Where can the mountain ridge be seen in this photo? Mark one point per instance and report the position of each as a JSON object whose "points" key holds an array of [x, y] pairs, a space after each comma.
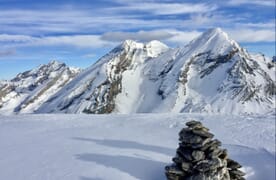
{"points": [[28, 90], [211, 74]]}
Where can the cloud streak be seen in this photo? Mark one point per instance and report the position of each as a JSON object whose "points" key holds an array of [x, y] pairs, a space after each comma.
{"points": [[249, 35], [140, 35], [110, 39], [270, 3], [8, 52], [80, 41], [167, 8]]}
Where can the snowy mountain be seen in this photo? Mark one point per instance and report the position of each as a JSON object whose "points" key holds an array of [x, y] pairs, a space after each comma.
{"points": [[30, 89], [211, 74]]}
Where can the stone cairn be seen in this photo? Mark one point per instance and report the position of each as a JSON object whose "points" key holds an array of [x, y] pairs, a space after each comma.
{"points": [[198, 157]]}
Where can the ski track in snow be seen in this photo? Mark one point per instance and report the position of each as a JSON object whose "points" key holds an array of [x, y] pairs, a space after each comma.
{"points": [[123, 147]]}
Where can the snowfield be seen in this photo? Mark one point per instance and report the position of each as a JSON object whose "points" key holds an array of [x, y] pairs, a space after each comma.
{"points": [[123, 147]]}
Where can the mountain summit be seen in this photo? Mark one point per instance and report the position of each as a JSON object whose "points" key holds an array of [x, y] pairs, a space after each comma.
{"points": [[29, 90], [211, 74]]}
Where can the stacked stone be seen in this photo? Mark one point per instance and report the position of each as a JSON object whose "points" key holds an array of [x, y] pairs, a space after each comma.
{"points": [[198, 157]]}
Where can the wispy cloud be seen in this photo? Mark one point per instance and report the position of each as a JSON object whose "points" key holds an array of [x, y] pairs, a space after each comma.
{"points": [[89, 41], [110, 39], [7, 38], [89, 56], [165, 20], [166, 8], [37, 22], [80, 41], [8, 52], [256, 2], [249, 35], [183, 37], [140, 35]]}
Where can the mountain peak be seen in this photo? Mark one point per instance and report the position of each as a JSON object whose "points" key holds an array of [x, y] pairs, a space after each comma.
{"points": [[55, 63], [216, 32], [156, 43], [131, 44], [152, 48], [214, 40]]}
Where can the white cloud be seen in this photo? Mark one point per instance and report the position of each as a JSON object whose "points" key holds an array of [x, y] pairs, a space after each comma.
{"points": [[171, 36], [183, 37], [80, 41], [90, 55], [35, 22], [140, 35], [7, 52], [15, 38], [251, 35], [264, 25], [256, 2], [167, 8]]}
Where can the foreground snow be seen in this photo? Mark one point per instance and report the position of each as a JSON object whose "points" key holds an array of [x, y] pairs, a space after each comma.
{"points": [[119, 147]]}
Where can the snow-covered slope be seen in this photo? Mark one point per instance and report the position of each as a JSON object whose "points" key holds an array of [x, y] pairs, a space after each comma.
{"points": [[211, 74], [123, 147], [29, 90], [96, 90]]}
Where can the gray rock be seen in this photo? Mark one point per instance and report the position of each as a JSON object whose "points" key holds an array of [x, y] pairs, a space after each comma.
{"points": [[208, 165], [201, 144], [215, 152], [202, 133], [198, 176], [203, 166], [214, 144], [191, 139], [233, 164], [236, 173], [223, 155], [177, 159], [186, 166], [174, 170], [194, 125], [184, 132], [198, 155], [185, 153]]}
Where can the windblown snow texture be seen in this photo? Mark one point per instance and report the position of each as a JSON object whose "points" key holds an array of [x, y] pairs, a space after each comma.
{"points": [[123, 147]]}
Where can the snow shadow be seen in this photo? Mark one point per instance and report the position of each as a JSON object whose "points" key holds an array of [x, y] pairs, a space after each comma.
{"points": [[259, 162], [129, 145], [87, 178], [136, 167]]}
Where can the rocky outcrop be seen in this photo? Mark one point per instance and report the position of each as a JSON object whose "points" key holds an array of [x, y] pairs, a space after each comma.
{"points": [[28, 90], [199, 157], [211, 74]]}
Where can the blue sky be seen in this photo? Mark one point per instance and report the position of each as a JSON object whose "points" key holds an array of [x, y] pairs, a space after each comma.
{"points": [[79, 32]]}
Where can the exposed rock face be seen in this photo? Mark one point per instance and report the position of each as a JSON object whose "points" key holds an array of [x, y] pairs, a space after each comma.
{"points": [[96, 89], [211, 74], [199, 157], [28, 90]]}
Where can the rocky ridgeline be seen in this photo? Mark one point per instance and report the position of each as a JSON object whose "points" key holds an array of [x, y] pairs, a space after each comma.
{"points": [[199, 157]]}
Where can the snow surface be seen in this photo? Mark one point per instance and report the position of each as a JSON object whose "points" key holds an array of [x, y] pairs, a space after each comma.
{"points": [[123, 147]]}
